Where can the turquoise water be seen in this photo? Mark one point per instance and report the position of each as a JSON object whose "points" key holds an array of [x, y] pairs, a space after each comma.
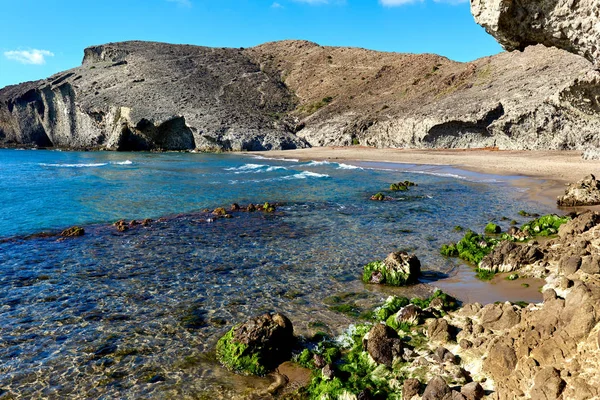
{"points": [[107, 315]]}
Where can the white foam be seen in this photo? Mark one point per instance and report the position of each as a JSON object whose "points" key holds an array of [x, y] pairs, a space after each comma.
{"points": [[346, 166], [246, 167], [275, 168], [306, 174], [126, 162], [317, 163]]}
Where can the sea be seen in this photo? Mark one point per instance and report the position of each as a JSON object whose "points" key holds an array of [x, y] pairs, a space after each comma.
{"points": [[136, 314]]}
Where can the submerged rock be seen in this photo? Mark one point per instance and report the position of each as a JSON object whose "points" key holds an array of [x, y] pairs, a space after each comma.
{"points": [[398, 269], [258, 345], [585, 192], [73, 232]]}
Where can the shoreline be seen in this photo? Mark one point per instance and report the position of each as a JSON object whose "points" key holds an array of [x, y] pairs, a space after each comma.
{"points": [[554, 168]]}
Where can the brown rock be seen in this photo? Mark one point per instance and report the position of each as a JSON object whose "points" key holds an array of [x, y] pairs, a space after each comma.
{"points": [[383, 344], [585, 192], [73, 232], [437, 389], [328, 372], [465, 344], [439, 330], [410, 388], [547, 384], [319, 361], [590, 264], [549, 294], [569, 264], [501, 360], [472, 391], [499, 316]]}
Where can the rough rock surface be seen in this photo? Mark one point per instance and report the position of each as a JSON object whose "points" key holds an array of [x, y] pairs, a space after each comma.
{"points": [[549, 350], [508, 256], [567, 24], [383, 344], [141, 95], [586, 192], [145, 95]]}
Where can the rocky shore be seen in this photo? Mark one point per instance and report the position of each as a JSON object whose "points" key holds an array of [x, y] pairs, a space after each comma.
{"points": [[435, 349]]}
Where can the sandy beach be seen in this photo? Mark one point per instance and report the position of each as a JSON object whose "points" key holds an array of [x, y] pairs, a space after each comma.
{"points": [[554, 168]]}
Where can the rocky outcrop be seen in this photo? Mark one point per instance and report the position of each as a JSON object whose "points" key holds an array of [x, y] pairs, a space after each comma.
{"points": [[398, 269], [146, 96], [586, 192], [258, 345], [281, 95], [570, 25]]}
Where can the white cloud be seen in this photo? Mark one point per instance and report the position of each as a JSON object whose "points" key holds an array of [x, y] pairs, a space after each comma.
{"points": [[34, 56], [276, 5], [183, 3]]}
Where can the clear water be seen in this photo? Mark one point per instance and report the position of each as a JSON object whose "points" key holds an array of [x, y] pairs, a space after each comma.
{"points": [[107, 315]]}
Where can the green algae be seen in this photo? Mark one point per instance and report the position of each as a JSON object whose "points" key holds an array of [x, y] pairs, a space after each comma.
{"points": [[546, 225], [236, 356], [492, 228], [388, 276], [471, 248]]}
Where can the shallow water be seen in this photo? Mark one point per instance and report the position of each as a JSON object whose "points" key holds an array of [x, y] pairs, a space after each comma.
{"points": [[133, 314]]}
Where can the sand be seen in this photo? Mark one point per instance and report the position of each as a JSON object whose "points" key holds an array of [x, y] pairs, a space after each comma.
{"points": [[552, 170]]}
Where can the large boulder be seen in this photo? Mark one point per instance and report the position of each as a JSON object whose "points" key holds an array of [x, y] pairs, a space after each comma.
{"points": [[258, 345], [586, 192], [383, 344], [508, 256], [569, 25], [398, 269]]}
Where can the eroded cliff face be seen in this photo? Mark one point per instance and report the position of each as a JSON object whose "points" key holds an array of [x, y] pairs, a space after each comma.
{"points": [[572, 25], [145, 96], [281, 95]]}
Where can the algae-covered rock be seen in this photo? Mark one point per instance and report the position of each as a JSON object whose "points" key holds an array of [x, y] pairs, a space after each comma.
{"points": [[258, 345], [73, 232], [472, 247], [398, 269], [492, 228], [383, 344], [378, 197]]}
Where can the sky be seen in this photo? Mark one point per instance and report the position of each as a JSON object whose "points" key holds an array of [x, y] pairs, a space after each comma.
{"points": [[41, 37]]}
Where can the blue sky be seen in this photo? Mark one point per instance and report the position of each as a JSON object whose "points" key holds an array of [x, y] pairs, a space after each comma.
{"points": [[42, 37]]}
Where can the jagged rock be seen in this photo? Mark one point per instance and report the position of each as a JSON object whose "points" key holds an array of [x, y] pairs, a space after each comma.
{"points": [[549, 295], [383, 344], [73, 232], [566, 24], [508, 256], [499, 316], [585, 192], [501, 360], [580, 224], [590, 264], [410, 388], [439, 330], [465, 344], [569, 264], [443, 355], [472, 391], [437, 389], [547, 384]]}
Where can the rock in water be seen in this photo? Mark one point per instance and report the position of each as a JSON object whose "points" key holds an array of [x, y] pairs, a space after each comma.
{"points": [[258, 345], [570, 25], [398, 269], [586, 192], [73, 232]]}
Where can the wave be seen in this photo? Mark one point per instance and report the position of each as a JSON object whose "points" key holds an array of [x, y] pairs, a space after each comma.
{"points": [[306, 174], [126, 162], [317, 163], [90, 165], [255, 168], [347, 166]]}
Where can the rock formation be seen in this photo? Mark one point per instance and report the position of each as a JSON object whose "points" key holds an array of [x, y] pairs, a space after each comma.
{"points": [[144, 96], [572, 25], [586, 192]]}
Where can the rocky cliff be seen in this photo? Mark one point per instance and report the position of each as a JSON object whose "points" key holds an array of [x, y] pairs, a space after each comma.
{"points": [[140, 95], [572, 25]]}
